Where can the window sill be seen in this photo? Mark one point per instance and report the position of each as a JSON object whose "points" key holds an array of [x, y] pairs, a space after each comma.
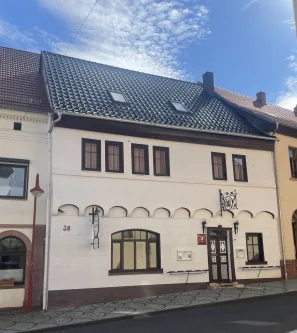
{"points": [[155, 271], [294, 179], [17, 286], [256, 263]]}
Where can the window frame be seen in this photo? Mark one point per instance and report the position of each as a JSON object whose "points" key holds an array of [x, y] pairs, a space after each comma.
{"points": [[120, 93], [261, 249], [245, 174], [224, 165], [291, 159], [167, 159], [121, 156], [84, 141], [122, 241], [146, 158], [18, 163], [178, 110], [20, 254]]}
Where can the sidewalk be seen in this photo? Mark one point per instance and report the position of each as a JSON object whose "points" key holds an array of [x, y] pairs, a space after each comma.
{"points": [[22, 321]]}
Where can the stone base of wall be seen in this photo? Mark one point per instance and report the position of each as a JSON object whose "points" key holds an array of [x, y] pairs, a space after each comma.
{"points": [[291, 268], [72, 297], [58, 298]]}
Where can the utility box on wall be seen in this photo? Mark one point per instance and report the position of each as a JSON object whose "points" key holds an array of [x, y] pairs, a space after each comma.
{"points": [[184, 255]]}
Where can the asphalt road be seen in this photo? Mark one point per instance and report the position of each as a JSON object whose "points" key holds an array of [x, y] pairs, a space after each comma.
{"points": [[272, 314]]}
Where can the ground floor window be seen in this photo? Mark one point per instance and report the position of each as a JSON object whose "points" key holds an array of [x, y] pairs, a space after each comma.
{"points": [[135, 251], [12, 259], [255, 250]]}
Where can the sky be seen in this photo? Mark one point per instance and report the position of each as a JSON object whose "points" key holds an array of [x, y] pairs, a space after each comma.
{"points": [[249, 45]]}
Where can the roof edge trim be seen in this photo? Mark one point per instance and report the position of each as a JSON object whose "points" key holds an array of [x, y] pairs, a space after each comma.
{"points": [[190, 129]]}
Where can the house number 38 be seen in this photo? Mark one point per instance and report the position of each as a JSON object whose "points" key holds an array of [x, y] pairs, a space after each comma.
{"points": [[66, 228]]}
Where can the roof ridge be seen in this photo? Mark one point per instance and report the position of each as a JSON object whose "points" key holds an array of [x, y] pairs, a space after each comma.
{"points": [[254, 99], [121, 68], [13, 48]]}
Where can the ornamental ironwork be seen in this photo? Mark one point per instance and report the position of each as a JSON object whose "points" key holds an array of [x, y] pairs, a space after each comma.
{"points": [[95, 223], [228, 201]]}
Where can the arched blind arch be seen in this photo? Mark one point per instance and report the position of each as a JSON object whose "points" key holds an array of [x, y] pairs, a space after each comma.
{"points": [[135, 250]]}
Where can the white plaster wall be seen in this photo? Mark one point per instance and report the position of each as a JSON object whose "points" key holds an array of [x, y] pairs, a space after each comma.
{"points": [[12, 298], [30, 143], [74, 264]]}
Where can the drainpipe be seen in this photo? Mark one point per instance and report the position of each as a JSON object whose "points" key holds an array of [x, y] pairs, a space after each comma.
{"points": [[51, 124], [279, 207]]}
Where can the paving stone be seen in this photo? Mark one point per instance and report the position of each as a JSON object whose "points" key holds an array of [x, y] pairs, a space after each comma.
{"points": [[161, 301], [38, 319], [73, 314], [59, 320], [93, 315], [179, 302], [6, 323], [8, 331], [21, 326], [79, 320], [40, 327]]}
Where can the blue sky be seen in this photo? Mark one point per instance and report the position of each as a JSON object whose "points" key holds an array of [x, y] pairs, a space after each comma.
{"points": [[250, 45]]}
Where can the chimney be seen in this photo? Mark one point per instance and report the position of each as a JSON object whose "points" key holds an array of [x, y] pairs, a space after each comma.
{"points": [[261, 98], [295, 111], [208, 83]]}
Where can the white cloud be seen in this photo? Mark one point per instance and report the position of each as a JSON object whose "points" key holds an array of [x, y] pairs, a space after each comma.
{"points": [[13, 35], [144, 35], [249, 3], [288, 97]]}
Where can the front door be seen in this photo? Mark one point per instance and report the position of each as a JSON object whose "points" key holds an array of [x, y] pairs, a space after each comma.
{"points": [[219, 255]]}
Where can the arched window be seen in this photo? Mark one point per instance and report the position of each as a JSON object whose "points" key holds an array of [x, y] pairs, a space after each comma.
{"points": [[12, 259], [135, 250]]}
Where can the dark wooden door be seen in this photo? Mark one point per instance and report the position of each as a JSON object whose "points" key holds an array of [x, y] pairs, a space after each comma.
{"points": [[219, 256]]}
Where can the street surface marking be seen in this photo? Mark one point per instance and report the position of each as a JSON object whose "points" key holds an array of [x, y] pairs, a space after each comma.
{"points": [[253, 323]]}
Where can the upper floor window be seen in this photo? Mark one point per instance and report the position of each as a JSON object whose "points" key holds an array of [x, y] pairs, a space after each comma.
{"points": [[255, 250], [12, 259], [161, 161], [114, 157], [293, 161], [13, 178], [91, 155], [140, 160], [239, 168], [135, 250], [219, 170]]}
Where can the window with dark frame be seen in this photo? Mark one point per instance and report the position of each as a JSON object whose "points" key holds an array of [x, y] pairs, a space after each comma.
{"points": [[240, 168], [255, 250], [13, 178], [12, 259], [91, 155], [114, 156], [135, 251], [293, 161], [161, 161], [140, 159], [219, 169]]}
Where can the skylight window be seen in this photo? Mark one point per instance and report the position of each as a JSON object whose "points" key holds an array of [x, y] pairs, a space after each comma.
{"points": [[118, 97], [179, 106]]}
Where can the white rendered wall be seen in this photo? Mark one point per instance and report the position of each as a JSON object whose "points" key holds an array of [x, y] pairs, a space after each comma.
{"points": [[74, 264]]}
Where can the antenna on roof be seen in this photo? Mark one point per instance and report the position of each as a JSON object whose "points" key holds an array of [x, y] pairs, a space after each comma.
{"points": [[78, 31]]}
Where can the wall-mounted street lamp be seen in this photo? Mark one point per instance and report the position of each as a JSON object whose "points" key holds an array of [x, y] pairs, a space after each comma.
{"points": [[37, 192], [236, 227], [95, 223], [203, 227]]}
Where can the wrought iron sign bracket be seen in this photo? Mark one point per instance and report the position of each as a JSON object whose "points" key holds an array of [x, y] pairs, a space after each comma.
{"points": [[228, 201], [95, 224]]}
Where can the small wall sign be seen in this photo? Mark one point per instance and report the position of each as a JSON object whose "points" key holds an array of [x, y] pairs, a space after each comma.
{"points": [[201, 239]]}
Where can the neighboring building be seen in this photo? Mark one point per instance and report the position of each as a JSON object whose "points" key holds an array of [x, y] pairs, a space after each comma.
{"points": [[23, 154], [295, 12], [286, 157], [153, 153]]}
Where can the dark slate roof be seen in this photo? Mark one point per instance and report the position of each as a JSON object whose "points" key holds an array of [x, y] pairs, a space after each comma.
{"points": [[21, 83], [80, 86], [275, 113]]}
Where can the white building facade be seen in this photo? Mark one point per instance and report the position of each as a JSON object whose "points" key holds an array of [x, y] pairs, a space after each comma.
{"points": [[23, 154], [149, 225], [183, 185]]}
